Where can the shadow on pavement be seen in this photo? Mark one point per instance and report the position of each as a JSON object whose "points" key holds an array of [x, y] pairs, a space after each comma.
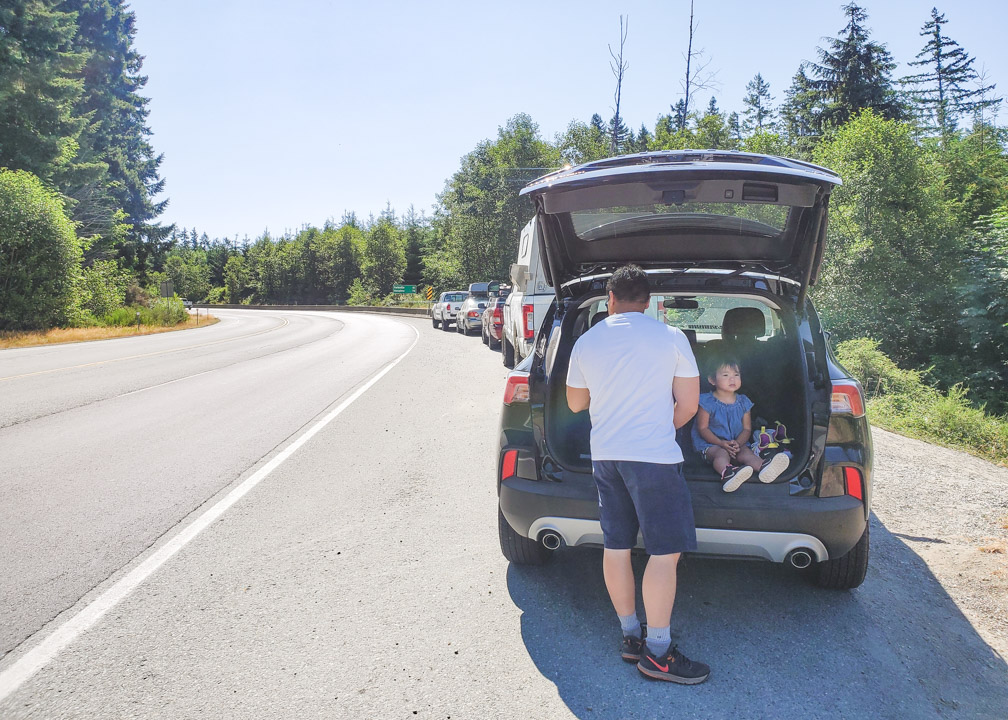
{"points": [[778, 646]]}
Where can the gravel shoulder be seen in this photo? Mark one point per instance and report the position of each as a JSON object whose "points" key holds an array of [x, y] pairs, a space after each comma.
{"points": [[951, 509]]}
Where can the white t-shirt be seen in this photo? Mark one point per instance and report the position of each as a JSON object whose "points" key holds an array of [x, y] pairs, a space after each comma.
{"points": [[628, 362]]}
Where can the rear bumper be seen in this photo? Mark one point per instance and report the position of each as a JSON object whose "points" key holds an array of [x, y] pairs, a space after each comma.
{"points": [[470, 322], [758, 521]]}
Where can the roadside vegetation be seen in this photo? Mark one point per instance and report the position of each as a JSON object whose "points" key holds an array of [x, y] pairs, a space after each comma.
{"points": [[901, 401], [916, 260]]}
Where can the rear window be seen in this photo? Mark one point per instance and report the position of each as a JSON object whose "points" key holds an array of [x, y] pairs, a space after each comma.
{"points": [[455, 297], [706, 320], [764, 220]]}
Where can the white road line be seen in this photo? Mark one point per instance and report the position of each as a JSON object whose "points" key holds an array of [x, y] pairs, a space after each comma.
{"points": [[42, 654]]}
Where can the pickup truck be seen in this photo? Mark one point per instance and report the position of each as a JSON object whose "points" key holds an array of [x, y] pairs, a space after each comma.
{"points": [[528, 302]]}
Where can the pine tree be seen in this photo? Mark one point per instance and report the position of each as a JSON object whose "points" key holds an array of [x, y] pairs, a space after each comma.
{"points": [[941, 92], [619, 135], [758, 112], [854, 73], [117, 134], [39, 88], [800, 114], [680, 115], [734, 128]]}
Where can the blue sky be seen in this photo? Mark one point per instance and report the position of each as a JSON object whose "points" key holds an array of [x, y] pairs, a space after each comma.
{"points": [[276, 115]]}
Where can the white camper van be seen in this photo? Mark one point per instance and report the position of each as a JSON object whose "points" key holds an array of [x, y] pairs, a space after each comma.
{"points": [[529, 299]]}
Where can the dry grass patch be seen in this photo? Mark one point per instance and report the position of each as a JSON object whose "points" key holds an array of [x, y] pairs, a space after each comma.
{"points": [[73, 335], [993, 549]]}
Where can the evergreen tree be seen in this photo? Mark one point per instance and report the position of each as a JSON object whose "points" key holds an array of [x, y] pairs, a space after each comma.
{"points": [[117, 134], [643, 141], [680, 115], [598, 123], [413, 232], [758, 113], [942, 92], [619, 135], [800, 114], [854, 73], [39, 89], [734, 127]]}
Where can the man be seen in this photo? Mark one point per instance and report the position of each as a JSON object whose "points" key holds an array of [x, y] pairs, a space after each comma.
{"points": [[639, 380]]}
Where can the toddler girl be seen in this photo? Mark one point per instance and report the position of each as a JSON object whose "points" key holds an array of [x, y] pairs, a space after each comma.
{"points": [[723, 426]]}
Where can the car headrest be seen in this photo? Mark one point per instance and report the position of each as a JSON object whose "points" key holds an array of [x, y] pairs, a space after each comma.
{"points": [[597, 318], [743, 323]]}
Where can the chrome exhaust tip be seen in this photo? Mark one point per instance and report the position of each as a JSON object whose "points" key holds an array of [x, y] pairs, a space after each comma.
{"points": [[550, 540], [800, 558]]}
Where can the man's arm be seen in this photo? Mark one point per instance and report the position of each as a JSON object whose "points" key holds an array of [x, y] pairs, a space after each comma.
{"points": [[578, 399], [687, 397]]}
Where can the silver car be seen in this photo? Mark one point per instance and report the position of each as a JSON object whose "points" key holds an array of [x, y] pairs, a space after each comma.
{"points": [[470, 315], [447, 307]]}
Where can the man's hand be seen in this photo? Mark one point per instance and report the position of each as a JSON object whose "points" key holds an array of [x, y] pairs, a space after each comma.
{"points": [[578, 399]]}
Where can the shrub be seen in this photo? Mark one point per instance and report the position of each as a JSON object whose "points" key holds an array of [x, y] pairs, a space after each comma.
{"points": [[103, 287], [40, 256], [876, 372], [163, 311], [899, 400]]}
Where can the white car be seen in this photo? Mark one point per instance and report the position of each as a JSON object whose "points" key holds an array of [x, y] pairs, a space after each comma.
{"points": [[446, 307]]}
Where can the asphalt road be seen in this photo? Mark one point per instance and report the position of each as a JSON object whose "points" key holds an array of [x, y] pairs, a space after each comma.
{"points": [[362, 577]]}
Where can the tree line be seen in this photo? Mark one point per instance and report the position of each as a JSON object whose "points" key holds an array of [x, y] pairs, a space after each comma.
{"points": [[917, 255]]}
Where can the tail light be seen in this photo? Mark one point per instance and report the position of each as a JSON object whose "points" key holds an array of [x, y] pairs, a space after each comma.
{"points": [[852, 483], [517, 389], [528, 323], [497, 316], [847, 399], [473, 314], [509, 463]]}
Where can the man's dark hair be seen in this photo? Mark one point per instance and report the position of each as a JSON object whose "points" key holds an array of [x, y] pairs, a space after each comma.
{"points": [[629, 284]]}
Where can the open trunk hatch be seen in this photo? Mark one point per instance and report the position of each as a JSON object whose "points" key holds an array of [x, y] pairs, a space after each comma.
{"points": [[710, 209]]}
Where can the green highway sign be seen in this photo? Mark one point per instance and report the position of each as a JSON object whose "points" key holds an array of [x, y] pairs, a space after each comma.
{"points": [[404, 289]]}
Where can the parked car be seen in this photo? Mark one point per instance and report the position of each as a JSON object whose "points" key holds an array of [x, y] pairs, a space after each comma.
{"points": [[530, 296], [468, 319], [731, 243], [493, 321], [186, 303], [447, 307]]}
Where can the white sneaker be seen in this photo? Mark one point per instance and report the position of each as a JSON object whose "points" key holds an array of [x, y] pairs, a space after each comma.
{"points": [[734, 477], [773, 469]]}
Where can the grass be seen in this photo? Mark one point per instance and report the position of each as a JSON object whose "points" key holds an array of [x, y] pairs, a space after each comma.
{"points": [[898, 400], [73, 335]]}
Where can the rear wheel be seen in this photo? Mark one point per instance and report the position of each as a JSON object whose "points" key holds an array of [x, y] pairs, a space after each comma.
{"points": [[517, 548], [507, 352], [847, 571], [484, 336], [434, 320], [444, 324]]}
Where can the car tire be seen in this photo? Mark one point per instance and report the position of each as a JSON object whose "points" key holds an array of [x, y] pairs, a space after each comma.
{"points": [[484, 337], [518, 549], [507, 353], [434, 320], [494, 344], [444, 324], [847, 571]]}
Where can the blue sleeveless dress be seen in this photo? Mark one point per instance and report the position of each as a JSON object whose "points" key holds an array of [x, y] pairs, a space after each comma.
{"points": [[725, 420]]}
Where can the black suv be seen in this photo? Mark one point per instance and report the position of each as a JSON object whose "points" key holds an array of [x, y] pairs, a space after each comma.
{"points": [[731, 243]]}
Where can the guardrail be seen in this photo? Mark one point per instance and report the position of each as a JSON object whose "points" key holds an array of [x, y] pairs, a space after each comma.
{"points": [[411, 312]]}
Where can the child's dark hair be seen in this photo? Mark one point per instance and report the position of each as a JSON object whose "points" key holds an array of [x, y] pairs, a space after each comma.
{"points": [[721, 360]]}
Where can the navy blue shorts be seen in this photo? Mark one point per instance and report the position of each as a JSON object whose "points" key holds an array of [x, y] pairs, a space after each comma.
{"points": [[648, 497]]}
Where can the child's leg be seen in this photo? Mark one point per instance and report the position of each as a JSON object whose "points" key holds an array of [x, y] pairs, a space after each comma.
{"points": [[718, 457], [745, 456]]}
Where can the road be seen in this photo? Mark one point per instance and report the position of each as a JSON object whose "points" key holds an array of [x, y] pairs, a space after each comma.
{"points": [[362, 576]]}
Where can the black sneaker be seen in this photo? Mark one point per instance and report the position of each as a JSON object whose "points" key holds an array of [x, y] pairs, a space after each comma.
{"points": [[631, 647], [673, 666], [734, 477]]}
